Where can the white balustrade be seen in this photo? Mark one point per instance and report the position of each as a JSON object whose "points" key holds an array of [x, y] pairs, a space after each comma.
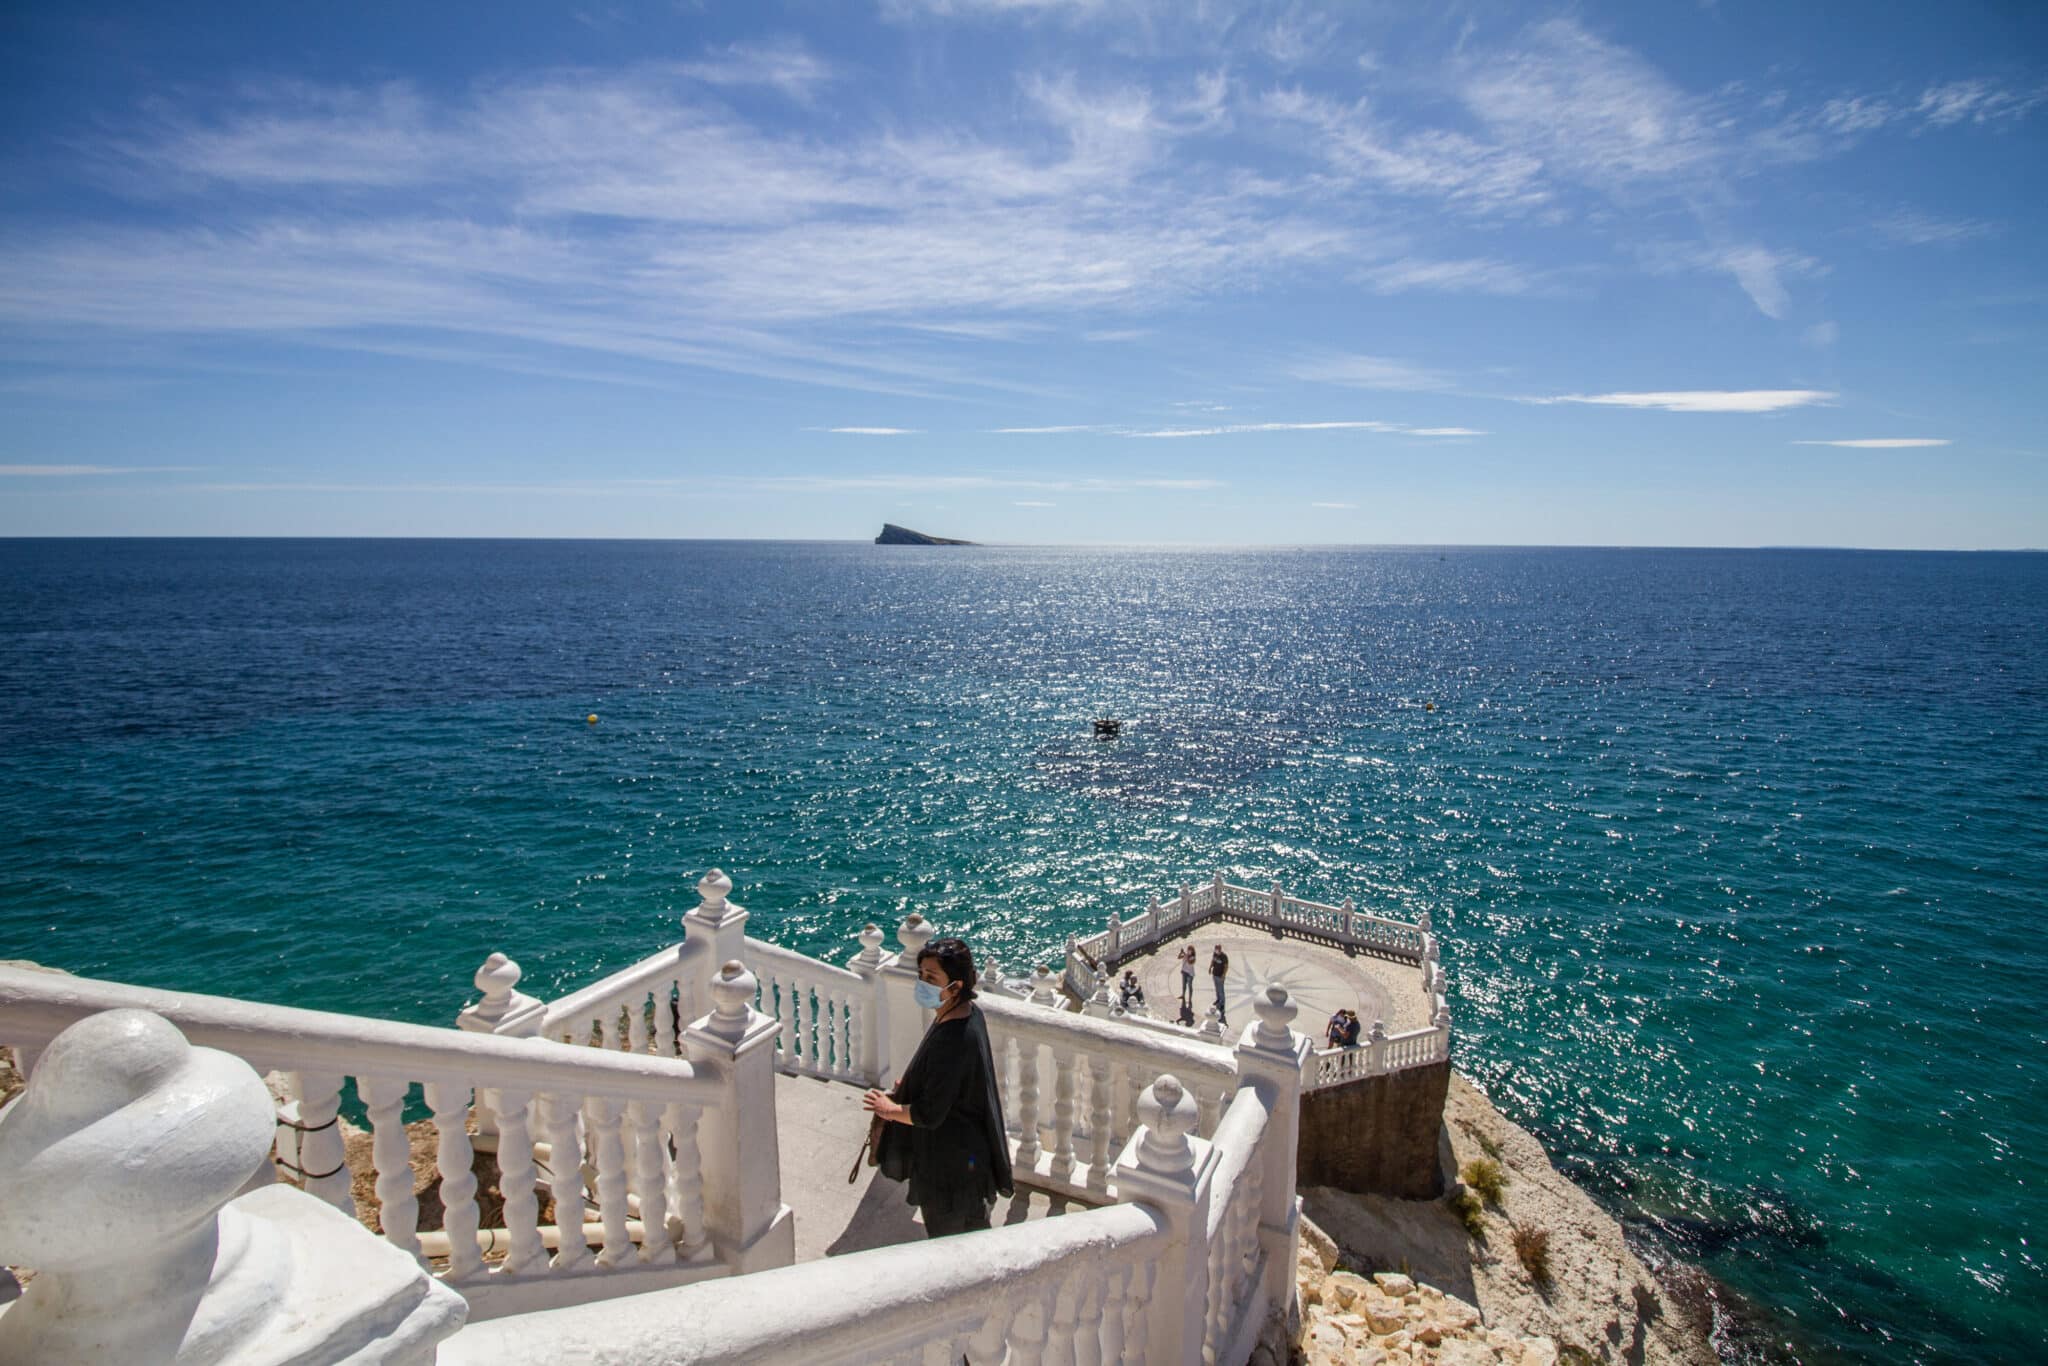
{"points": [[525, 1084], [821, 1009]]}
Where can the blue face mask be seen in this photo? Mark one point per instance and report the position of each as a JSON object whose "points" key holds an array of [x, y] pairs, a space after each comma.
{"points": [[928, 995]]}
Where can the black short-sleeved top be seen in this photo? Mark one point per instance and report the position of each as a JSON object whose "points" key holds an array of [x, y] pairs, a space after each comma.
{"points": [[957, 1144]]}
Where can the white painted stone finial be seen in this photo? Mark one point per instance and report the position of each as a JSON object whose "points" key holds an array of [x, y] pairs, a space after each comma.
{"points": [[128, 1140], [1041, 986], [1212, 1024], [1443, 1015], [1169, 1114], [1276, 1013], [732, 996], [869, 959], [714, 887], [914, 933], [1379, 1031]]}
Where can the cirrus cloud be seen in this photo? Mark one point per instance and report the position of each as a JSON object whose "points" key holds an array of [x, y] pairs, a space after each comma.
{"points": [[1701, 400]]}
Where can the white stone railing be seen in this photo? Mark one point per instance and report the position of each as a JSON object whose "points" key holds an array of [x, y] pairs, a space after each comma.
{"points": [[627, 1125], [1232, 1322], [640, 1009], [1090, 961], [823, 1010], [1070, 1086], [1343, 927], [1073, 1289]]}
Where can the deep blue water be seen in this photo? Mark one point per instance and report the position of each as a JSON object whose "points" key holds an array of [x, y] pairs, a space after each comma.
{"points": [[1740, 856]]}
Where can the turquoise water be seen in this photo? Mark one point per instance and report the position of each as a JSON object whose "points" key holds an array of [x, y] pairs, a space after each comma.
{"points": [[1739, 856]]}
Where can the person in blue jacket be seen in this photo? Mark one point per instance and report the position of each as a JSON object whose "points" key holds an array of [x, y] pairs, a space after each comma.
{"points": [[945, 1112]]}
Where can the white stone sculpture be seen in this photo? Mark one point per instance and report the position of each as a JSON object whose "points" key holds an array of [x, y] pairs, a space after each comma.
{"points": [[118, 1172]]}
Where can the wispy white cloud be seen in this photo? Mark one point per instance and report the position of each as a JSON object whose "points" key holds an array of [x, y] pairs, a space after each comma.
{"points": [[1702, 400], [1238, 428], [1883, 443], [1051, 431], [1469, 276], [1975, 101], [1444, 431], [1032, 503], [874, 431], [1338, 506], [1370, 372], [1911, 228], [785, 65], [1760, 271]]}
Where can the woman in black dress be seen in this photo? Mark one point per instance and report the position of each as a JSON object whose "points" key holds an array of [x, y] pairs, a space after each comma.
{"points": [[952, 1118]]}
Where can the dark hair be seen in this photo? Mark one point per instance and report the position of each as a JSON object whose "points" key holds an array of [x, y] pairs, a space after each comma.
{"points": [[955, 959]]}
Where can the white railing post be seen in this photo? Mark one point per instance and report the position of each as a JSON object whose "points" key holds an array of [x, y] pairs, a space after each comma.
{"points": [[1116, 937], [871, 1015], [1216, 885], [118, 1171], [903, 1017], [1042, 992], [714, 933], [1376, 1049], [506, 1011], [1165, 1167], [1152, 921], [1187, 905], [1277, 1060], [1350, 915], [749, 1226], [1276, 902]]}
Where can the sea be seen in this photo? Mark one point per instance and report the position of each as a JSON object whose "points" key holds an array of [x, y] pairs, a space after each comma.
{"points": [[1740, 857]]}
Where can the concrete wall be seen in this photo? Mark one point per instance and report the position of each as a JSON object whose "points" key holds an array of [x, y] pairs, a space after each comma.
{"points": [[1376, 1136]]}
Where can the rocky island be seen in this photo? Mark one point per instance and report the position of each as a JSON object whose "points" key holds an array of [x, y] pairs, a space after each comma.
{"points": [[903, 535]]}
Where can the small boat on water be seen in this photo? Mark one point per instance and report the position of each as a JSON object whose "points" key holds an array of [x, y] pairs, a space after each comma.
{"points": [[1108, 727]]}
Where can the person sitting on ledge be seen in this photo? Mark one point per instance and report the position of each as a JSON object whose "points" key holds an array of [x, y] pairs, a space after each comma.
{"points": [[1129, 993]]}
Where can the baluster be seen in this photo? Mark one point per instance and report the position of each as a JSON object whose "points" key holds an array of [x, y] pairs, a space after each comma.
{"points": [[686, 1192], [1062, 1116], [848, 1055], [1134, 1086], [650, 1180], [856, 1029], [1098, 1123], [1219, 1293], [1110, 1331], [636, 1022], [665, 1018], [321, 1152], [801, 1046], [1137, 1328], [516, 1179], [1028, 1331], [565, 1178], [593, 1030], [1027, 1104], [399, 1209], [608, 1155], [450, 1106], [1006, 1082], [1088, 1318], [1059, 1339], [1209, 1103]]}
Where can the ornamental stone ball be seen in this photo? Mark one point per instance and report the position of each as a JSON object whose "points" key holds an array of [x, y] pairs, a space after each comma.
{"points": [[1276, 1012], [1169, 1115], [127, 1138], [714, 887], [913, 934]]}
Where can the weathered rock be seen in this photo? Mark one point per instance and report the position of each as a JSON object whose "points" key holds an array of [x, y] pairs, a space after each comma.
{"points": [[1341, 1288], [1395, 1284]]}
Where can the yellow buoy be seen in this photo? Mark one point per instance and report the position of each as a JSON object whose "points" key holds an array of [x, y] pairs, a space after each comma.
{"points": [[592, 718]]}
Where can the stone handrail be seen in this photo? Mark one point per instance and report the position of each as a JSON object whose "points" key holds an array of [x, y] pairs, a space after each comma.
{"points": [[611, 1118], [1072, 1289], [1341, 926]]}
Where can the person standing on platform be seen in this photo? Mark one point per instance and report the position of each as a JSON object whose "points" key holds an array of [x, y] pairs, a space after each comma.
{"points": [[1187, 975], [1219, 968], [951, 1117]]}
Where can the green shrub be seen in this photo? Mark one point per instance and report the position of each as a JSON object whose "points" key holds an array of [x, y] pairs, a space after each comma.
{"points": [[1532, 1250], [1484, 1175], [1465, 1206], [1568, 1355], [1488, 1145]]}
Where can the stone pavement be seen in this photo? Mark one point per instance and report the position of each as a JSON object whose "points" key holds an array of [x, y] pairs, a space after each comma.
{"points": [[1319, 980], [820, 1126]]}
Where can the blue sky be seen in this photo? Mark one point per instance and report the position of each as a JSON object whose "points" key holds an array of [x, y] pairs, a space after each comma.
{"points": [[1028, 270]]}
